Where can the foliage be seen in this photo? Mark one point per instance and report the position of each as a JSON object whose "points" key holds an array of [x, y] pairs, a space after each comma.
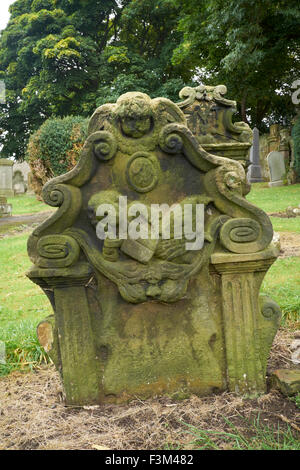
{"points": [[55, 148], [296, 139]]}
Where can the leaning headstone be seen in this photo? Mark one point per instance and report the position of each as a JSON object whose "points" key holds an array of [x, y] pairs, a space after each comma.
{"points": [[153, 264], [254, 172], [277, 168], [5, 208], [6, 178]]}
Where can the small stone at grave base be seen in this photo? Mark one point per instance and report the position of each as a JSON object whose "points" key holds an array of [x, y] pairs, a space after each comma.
{"points": [[286, 380]]}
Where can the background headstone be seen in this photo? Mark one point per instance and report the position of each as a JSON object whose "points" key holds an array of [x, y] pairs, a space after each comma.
{"points": [[277, 168], [254, 172], [6, 178]]}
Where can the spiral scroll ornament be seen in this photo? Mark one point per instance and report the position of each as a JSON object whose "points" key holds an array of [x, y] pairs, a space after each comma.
{"points": [[57, 251]]}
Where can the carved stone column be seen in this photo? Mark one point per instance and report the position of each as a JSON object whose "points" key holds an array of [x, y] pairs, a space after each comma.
{"points": [[250, 322]]}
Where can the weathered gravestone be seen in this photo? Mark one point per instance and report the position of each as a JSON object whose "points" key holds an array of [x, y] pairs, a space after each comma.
{"points": [[5, 208], [176, 313], [277, 168], [254, 172], [20, 177], [6, 175]]}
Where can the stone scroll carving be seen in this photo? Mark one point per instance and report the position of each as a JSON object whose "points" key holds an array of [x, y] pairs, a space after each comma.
{"points": [[145, 316]]}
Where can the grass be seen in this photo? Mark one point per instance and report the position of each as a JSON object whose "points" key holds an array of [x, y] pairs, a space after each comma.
{"points": [[23, 304], [257, 437], [27, 205]]}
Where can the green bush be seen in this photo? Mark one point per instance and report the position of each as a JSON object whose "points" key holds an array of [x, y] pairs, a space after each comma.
{"points": [[296, 138], [55, 148]]}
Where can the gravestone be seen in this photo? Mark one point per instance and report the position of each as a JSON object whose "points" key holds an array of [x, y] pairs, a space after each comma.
{"points": [[254, 172], [5, 208], [153, 264], [277, 168], [6, 174]]}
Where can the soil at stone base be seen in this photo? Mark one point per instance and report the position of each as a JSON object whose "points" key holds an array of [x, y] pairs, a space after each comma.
{"points": [[33, 415]]}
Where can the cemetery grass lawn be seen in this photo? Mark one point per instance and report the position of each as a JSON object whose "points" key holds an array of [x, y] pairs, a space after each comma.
{"points": [[22, 306], [274, 199]]}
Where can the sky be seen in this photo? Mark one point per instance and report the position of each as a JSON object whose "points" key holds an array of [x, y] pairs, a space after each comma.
{"points": [[4, 14]]}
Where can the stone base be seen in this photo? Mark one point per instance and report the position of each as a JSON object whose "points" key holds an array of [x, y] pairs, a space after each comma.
{"points": [[276, 183]]}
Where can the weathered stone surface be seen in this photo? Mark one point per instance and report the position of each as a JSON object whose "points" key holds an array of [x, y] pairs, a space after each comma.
{"points": [[277, 168], [6, 174], [287, 381], [146, 317]]}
